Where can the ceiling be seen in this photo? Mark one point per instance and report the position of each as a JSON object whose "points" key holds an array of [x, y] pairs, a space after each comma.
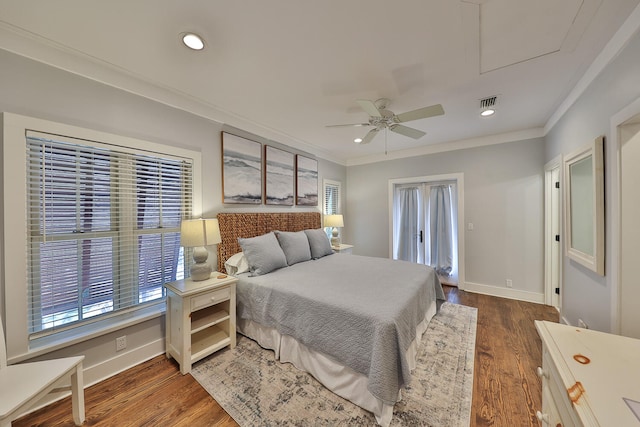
{"points": [[285, 69]]}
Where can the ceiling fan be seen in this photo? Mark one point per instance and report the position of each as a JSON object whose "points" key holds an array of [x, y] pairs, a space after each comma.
{"points": [[381, 118]]}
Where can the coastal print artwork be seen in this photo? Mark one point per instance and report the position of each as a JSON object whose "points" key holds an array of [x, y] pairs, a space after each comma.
{"points": [[307, 181], [241, 170], [278, 176]]}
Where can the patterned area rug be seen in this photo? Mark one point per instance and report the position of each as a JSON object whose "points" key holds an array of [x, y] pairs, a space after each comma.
{"points": [[257, 390]]}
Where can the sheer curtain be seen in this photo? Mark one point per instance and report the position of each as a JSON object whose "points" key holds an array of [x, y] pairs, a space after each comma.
{"points": [[406, 212], [439, 248]]}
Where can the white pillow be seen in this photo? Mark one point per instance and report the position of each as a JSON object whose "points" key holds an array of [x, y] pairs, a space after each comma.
{"points": [[236, 264]]}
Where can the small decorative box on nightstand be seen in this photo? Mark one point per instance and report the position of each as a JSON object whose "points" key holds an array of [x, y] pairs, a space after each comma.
{"points": [[201, 318], [343, 249]]}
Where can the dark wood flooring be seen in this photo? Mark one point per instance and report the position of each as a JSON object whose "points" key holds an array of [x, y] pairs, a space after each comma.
{"points": [[506, 391]]}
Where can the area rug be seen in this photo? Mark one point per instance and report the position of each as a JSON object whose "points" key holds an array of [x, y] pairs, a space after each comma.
{"points": [[257, 390]]}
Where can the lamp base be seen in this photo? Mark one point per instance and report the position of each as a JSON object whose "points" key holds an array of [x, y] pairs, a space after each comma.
{"points": [[335, 237], [200, 271]]}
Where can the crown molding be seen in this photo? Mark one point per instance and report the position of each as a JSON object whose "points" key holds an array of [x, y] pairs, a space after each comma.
{"points": [[618, 42], [463, 144]]}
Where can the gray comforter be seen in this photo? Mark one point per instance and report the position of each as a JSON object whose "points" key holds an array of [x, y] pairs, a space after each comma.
{"points": [[361, 311]]}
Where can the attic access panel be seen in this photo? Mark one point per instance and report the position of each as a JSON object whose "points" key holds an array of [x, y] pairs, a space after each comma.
{"points": [[514, 31]]}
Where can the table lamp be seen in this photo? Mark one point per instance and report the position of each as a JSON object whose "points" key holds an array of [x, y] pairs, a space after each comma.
{"points": [[334, 221], [196, 234]]}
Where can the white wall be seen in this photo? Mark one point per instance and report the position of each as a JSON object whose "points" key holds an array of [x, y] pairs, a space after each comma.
{"points": [[586, 295], [33, 89], [503, 198]]}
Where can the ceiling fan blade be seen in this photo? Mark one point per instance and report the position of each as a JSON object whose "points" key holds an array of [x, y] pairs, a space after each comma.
{"points": [[407, 131], [369, 107], [369, 136], [421, 113], [350, 124]]}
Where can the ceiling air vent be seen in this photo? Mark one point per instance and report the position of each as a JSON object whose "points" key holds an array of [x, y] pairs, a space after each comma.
{"points": [[488, 102]]}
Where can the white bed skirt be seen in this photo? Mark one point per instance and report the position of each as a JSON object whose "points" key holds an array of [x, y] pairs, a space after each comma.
{"points": [[340, 379]]}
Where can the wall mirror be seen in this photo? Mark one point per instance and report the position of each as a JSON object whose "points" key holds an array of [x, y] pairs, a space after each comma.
{"points": [[584, 206]]}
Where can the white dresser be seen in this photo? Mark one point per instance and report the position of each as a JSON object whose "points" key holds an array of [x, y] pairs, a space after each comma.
{"points": [[589, 378]]}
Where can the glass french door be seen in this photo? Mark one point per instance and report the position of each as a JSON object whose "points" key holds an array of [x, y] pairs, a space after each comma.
{"points": [[425, 226]]}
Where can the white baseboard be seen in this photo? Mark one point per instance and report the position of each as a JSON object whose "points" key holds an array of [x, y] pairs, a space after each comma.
{"points": [[108, 368], [510, 293], [122, 362]]}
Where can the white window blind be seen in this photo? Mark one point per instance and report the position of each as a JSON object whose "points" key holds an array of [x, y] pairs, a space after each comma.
{"points": [[103, 229], [331, 198]]}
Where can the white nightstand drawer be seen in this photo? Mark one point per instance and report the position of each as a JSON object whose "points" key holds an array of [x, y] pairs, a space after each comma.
{"points": [[210, 298]]}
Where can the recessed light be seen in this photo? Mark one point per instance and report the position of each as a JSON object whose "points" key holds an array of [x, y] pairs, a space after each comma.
{"points": [[357, 140], [488, 112], [193, 41]]}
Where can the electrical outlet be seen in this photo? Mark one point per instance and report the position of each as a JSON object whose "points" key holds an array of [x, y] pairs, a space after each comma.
{"points": [[581, 324], [509, 283], [121, 343]]}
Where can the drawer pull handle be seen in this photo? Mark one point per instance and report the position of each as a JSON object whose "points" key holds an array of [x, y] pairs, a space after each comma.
{"points": [[541, 373], [542, 417]]}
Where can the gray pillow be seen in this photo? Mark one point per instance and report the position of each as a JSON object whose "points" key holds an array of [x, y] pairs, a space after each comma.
{"points": [[263, 254], [295, 246], [318, 243]]}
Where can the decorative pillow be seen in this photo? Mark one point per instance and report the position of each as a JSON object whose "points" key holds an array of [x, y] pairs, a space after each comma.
{"points": [[263, 254], [318, 243], [236, 264], [295, 246]]}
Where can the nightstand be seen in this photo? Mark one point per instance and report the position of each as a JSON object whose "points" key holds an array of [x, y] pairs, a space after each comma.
{"points": [[201, 318], [343, 249]]}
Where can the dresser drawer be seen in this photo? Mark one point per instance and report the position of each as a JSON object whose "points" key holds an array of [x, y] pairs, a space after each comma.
{"points": [[549, 416], [210, 298], [559, 394]]}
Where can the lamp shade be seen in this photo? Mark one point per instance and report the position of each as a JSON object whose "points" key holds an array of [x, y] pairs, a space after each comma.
{"points": [[333, 221], [199, 232]]}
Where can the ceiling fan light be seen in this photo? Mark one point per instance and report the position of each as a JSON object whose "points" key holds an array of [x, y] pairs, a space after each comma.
{"points": [[488, 112], [192, 41]]}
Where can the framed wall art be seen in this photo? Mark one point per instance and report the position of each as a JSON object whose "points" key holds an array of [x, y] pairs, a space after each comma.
{"points": [[241, 170], [306, 181], [279, 176]]}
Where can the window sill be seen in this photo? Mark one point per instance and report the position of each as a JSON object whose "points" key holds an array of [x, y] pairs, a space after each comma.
{"points": [[47, 344]]}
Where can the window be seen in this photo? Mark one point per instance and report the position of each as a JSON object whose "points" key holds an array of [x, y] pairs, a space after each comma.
{"points": [[331, 197], [331, 200], [50, 301], [103, 229]]}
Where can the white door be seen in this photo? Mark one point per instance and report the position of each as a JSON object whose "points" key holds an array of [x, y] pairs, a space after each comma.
{"points": [[556, 252], [629, 230], [552, 224]]}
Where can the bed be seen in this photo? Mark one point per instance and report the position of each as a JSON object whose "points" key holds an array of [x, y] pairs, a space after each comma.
{"points": [[352, 322]]}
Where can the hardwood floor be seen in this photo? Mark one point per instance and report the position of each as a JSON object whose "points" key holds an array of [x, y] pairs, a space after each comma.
{"points": [[506, 389]]}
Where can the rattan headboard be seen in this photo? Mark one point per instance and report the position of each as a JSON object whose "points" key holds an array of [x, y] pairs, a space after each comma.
{"points": [[234, 225]]}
